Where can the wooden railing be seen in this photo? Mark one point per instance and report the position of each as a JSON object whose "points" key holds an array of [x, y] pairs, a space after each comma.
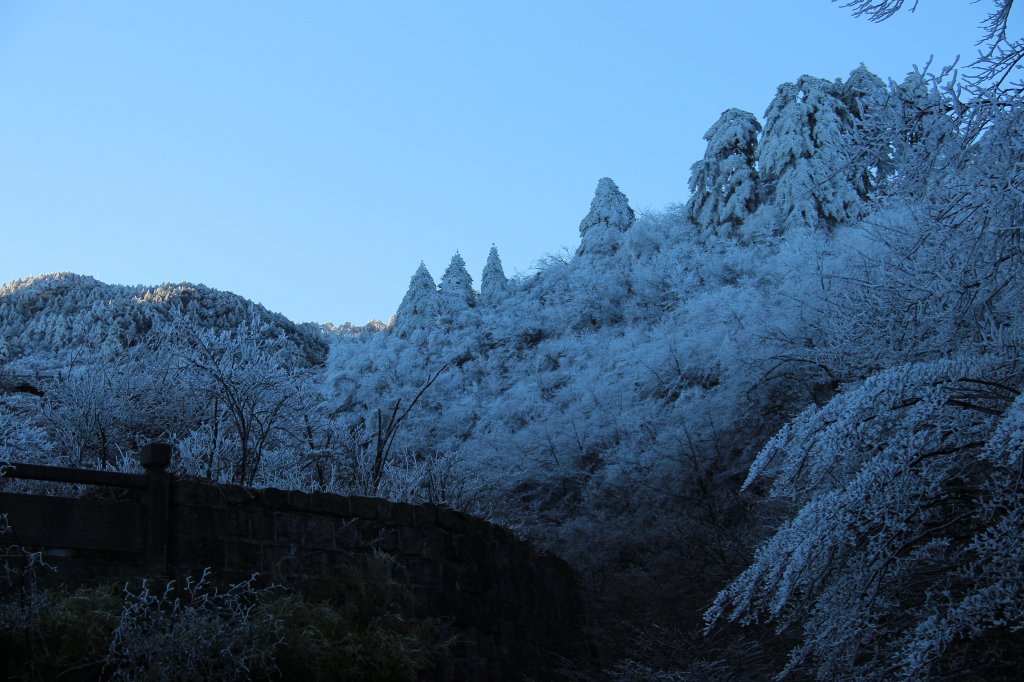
{"points": [[135, 526]]}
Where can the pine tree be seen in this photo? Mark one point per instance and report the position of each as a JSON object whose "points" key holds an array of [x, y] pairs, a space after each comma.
{"points": [[803, 155], [724, 184], [875, 119], [419, 307], [610, 215], [493, 283], [925, 136], [455, 294]]}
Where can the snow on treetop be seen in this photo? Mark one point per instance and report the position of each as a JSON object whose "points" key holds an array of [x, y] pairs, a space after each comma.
{"points": [[732, 133], [610, 214], [456, 288]]}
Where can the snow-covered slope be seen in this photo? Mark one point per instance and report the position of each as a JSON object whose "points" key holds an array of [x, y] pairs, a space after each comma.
{"points": [[46, 320]]}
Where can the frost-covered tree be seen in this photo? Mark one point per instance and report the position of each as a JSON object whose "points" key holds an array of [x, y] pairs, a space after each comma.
{"points": [[86, 412], [252, 405], [875, 122], [724, 184], [455, 293], [419, 307], [22, 436], [110, 402], [993, 70], [610, 215], [899, 490], [863, 93], [990, 184], [802, 155], [494, 286], [921, 138]]}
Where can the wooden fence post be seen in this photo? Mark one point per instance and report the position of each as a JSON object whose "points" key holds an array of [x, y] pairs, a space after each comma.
{"points": [[154, 458]]}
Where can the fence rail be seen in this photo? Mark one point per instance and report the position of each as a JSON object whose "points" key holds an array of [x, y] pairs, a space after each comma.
{"points": [[39, 472], [128, 526]]}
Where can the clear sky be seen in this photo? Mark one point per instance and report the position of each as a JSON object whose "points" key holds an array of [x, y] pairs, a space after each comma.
{"points": [[308, 155]]}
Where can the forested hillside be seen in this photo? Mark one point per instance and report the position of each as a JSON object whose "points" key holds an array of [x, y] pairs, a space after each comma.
{"points": [[48, 320], [799, 390]]}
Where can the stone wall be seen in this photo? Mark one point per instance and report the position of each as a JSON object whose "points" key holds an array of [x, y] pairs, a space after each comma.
{"points": [[514, 609]]}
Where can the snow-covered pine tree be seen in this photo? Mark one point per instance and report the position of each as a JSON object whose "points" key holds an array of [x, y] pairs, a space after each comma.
{"points": [[724, 184], [455, 293], [610, 215], [493, 283], [875, 119], [803, 158], [926, 136], [419, 307]]}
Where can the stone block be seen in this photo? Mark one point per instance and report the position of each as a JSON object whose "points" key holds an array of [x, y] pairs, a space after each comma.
{"points": [[208, 550], [287, 527], [346, 534], [369, 532], [450, 520], [241, 556], [198, 553], [326, 503], [261, 524], [385, 511], [449, 579], [468, 581], [299, 501], [224, 523], [436, 544], [464, 614], [410, 540], [474, 526], [234, 494], [281, 561], [402, 514], [188, 521], [388, 540], [425, 515], [364, 507], [195, 493], [318, 533], [337, 558], [467, 548], [275, 498]]}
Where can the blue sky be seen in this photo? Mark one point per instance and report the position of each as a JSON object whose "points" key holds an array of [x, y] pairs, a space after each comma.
{"points": [[308, 155]]}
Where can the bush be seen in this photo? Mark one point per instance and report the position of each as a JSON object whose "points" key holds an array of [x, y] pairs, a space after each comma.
{"points": [[353, 628], [197, 630]]}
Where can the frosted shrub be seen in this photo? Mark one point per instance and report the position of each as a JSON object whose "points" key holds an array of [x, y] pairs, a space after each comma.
{"points": [[408, 476], [359, 629], [283, 469], [21, 598], [196, 633], [634, 671]]}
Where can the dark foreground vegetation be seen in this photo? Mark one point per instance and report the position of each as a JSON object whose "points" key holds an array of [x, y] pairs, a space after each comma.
{"points": [[357, 628]]}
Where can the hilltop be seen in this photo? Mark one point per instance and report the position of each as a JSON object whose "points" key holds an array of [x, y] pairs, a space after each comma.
{"points": [[48, 320]]}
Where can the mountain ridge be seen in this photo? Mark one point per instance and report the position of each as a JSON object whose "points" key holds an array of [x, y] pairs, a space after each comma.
{"points": [[45, 317]]}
